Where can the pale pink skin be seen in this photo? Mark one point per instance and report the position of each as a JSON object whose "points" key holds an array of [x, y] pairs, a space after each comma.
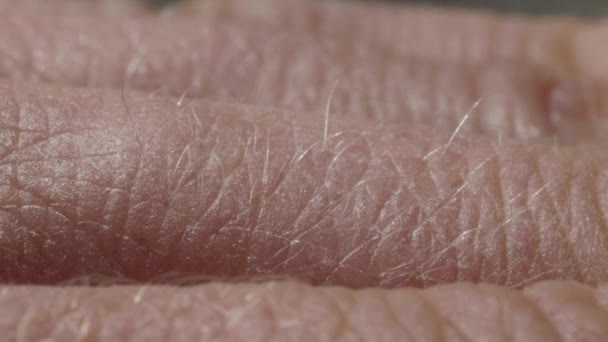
{"points": [[194, 148], [286, 311]]}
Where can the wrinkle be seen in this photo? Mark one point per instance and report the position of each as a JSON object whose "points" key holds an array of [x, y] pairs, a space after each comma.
{"points": [[441, 206], [347, 227], [540, 312], [305, 61], [43, 200], [215, 196], [501, 210], [340, 329], [392, 312], [559, 302], [600, 183], [588, 217], [437, 312], [564, 230]]}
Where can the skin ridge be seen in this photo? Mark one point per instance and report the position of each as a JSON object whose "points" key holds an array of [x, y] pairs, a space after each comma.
{"points": [[503, 37], [225, 202], [443, 226], [278, 307], [370, 85]]}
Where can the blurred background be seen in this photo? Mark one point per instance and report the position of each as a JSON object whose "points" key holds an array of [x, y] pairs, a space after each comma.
{"points": [[578, 7], [540, 7]]}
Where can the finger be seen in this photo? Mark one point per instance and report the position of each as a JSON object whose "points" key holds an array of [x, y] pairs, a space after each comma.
{"points": [[290, 311], [295, 71], [566, 47], [138, 186]]}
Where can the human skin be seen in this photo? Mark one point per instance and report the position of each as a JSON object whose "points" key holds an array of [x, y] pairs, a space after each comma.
{"points": [[208, 150]]}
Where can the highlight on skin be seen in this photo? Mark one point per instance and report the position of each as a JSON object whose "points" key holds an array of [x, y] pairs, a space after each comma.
{"points": [[266, 173], [274, 193]]}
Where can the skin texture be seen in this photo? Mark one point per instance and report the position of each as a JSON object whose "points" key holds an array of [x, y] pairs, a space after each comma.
{"points": [[372, 84], [272, 194], [291, 311], [451, 185], [467, 36], [298, 71]]}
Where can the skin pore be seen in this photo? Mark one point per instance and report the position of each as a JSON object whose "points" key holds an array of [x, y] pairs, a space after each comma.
{"points": [[452, 186]]}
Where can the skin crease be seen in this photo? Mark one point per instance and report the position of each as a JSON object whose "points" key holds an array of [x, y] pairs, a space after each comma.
{"points": [[137, 185], [291, 311], [273, 195], [374, 85], [378, 85], [552, 45]]}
